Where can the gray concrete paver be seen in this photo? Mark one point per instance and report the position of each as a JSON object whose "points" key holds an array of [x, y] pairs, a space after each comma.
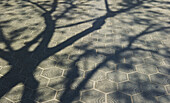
{"points": [[101, 56]]}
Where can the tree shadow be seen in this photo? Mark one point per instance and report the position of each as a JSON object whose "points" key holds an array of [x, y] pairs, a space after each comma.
{"points": [[24, 62]]}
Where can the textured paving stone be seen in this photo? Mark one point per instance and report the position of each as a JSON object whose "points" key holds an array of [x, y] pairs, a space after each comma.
{"points": [[93, 96], [32, 82], [126, 67], [45, 94], [129, 43], [167, 61], [153, 89], [16, 93], [88, 85], [118, 97], [160, 79], [47, 63], [117, 76], [57, 83], [106, 86], [110, 66], [4, 100], [68, 96], [138, 77], [143, 98], [52, 72], [99, 75], [76, 73], [146, 69], [4, 70], [129, 87], [164, 99], [164, 69]]}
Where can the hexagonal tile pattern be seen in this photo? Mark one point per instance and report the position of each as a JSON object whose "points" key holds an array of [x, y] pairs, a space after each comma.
{"points": [[147, 69], [67, 96], [118, 97], [39, 81], [110, 66], [76, 73], [16, 93], [160, 79], [130, 87], [99, 75], [57, 83], [47, 63], [106, 86], [93, 96], [164, 69], [138, 77], [124, 67], [52, 72], [88, 85], [153, 89], [144, 98], [116, 76], [44, 94], [79, 52]]}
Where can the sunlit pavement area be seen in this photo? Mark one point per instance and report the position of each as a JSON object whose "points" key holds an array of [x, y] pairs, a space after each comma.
{"points": [[84, 51]]}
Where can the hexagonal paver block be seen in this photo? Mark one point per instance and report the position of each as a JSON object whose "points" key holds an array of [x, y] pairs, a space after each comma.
{"points": [[160, 79], [37, 82], [74, 73], [106, 86], [44, 94], [58, 83], [164, 99], [129, 87], [93, 96], [146, 69], [77, 82], [153, 89], [52, 72], [66, 96], [109, 66], [118, 97], [164, 69], [4, 100], [124, 67], [143, 98], [96, 76], [117, 76], [90, 61], [47, 63], [153, 61], [138, 77], [19, 92]]}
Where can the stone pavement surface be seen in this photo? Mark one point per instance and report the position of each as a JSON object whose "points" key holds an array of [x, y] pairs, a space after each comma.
{"points": [[84, 51]]}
